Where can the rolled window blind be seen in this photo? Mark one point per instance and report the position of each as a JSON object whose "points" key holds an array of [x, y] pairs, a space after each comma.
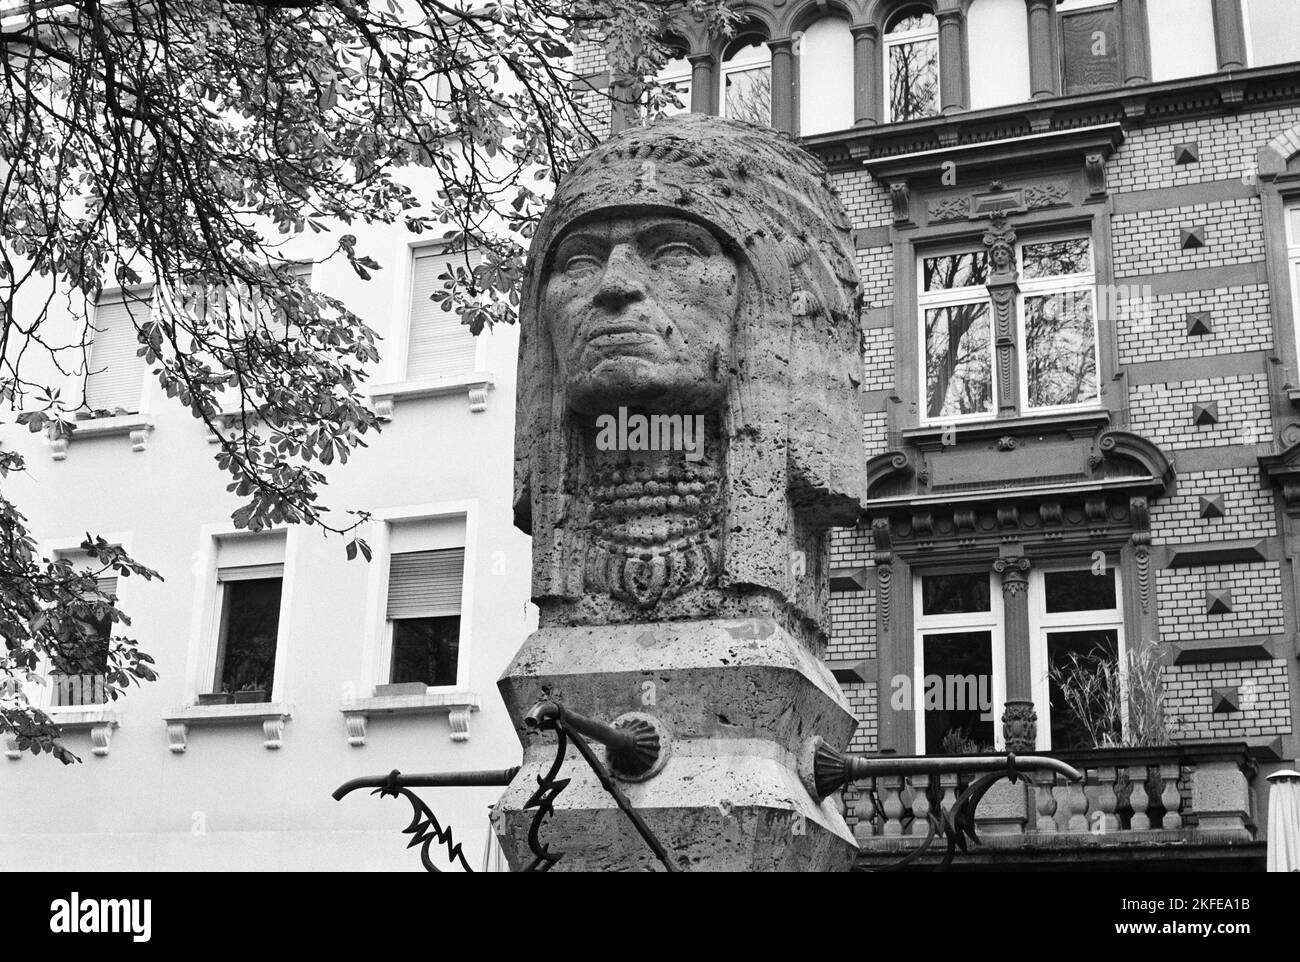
{"points": [[116, 375], [440, 345], [425, 584]]}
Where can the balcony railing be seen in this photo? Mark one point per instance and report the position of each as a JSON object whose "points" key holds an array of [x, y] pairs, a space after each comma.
{"points": [[69, 690], [1180, 797]]}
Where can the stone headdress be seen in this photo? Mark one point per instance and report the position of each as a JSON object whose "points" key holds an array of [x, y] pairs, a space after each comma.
{"points": [[794, 461]]}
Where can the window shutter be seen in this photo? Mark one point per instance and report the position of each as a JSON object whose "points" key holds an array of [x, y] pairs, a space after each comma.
{"points": [[425, 584], [116, 376], [107, 585], [440, 345]]}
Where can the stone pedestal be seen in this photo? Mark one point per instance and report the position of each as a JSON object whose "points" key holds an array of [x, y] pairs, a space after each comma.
{"points": [[736, 699]]}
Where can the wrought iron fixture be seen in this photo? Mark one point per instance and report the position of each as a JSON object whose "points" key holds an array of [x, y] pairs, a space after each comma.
{"points": [[825, 770]]}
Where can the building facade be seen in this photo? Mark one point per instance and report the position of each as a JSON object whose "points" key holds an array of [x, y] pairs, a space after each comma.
{"points": [[284, 668], [1076, 227]]}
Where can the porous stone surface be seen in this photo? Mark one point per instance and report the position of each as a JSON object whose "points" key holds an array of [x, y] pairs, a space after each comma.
{"points": [[688, 430]]}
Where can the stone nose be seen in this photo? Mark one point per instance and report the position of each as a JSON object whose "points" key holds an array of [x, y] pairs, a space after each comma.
{"points": [[623, 280]]}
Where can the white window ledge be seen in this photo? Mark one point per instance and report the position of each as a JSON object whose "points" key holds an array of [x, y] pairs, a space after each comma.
{"points": [[474, 385], [136, 426], [96, 719], [228, 418], [272, 715], [457, 705]]}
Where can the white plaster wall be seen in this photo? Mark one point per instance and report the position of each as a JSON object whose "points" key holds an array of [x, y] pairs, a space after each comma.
{"points": [[228, 802]]}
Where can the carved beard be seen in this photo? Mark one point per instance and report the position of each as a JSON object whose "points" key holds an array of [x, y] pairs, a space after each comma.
{"points": [[653, 530]]}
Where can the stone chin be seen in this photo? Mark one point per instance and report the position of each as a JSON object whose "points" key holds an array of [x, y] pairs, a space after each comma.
{"points": [[633, 382]]}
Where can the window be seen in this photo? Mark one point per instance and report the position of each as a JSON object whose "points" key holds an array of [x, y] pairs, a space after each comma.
{"points": [[250, 579], [115, 375], [426, 574], [747, 81], [438, 344], [1181, 34], [1076, 624], [825, 76], [912, 66], [1272, 31], [958, 354], [1090, 45], [1057, 330], [958, 647], [1293, 258], [675, 77], [85, 684], [999, 68]]}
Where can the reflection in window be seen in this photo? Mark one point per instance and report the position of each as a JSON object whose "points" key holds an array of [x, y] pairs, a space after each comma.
{"points": [[1090, 43], [955, 594], [1060, 339], [912, 65], [747, 82]]}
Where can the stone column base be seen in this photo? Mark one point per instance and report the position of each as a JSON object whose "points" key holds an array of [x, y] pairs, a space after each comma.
{"points": [[736, 699]]}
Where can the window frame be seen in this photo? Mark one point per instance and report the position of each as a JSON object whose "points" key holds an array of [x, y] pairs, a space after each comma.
{"points": [[683, 74], [205, 625], [1060, 284], [949, 298], [993, 621], [743, 64], [1041, 622], [1065, 8], [1291, 241], [397, 371], [42, 696], [889, 40], [377, 645], [145, 294]]}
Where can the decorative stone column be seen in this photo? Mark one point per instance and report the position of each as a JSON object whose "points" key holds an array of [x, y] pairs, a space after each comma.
{"points": [[1042, 75], [782, 84], [702, 98], [866, 76], [1229, 34], [1019, 721], [1134, 47], [952, 67], [1003, 286]]}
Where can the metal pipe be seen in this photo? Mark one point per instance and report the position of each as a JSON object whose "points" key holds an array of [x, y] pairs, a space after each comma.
{"points": [[393, 779], [863, 767], [618, 740]]}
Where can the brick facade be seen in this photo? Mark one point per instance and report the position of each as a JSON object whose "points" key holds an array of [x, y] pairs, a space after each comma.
{"points": [[1263, 699], [1256, 601], [1164, 412]]}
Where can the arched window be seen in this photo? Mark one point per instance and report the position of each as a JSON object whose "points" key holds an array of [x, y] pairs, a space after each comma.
{"points": [[825, 76], [746, 86], [675, 77], [912, 65]]}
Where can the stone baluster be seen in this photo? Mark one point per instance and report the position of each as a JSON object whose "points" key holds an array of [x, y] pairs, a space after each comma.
{"points": [[1170, 797], [892, 803], [920, 805], [865, 807], [948, 783], [1139, 800], [1107, 801], [1076, 808], [1045, 802]]}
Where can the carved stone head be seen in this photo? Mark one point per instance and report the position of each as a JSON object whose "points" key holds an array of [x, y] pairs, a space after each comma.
{"points": [[699, 269]]}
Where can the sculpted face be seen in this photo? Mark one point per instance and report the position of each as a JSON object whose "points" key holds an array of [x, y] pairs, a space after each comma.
{"points": [[640, 309]]}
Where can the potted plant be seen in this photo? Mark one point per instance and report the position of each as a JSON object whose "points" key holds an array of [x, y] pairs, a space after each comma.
{"points": [[250, 693], [1097, 694], [216, 698]]}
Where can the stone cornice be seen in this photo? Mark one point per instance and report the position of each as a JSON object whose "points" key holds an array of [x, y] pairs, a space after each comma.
{"points": [[1218, 93]]}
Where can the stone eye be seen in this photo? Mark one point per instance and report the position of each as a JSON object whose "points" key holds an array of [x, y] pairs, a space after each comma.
{"points": [[581, 265], [675, 252]]}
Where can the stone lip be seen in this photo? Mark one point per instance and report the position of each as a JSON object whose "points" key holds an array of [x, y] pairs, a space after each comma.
{"points": [[743, 678]]}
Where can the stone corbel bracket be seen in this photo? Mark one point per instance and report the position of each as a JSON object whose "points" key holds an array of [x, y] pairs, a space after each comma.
{"points": [[98, 721], [475, 386], [271, 715], [134, 426], [456, 704], [1283, 471]]}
